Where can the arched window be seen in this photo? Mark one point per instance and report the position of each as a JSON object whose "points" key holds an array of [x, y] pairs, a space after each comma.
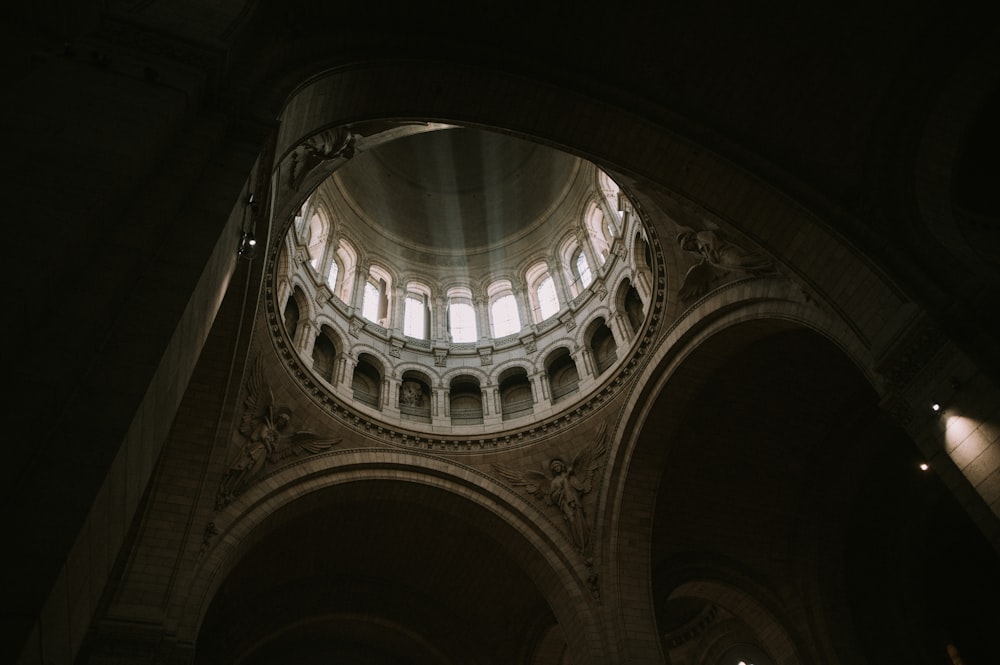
{"points": [[317, 240], [542, 294], [599, 231], [346, 260], [331, 277], [461, 316], [462, 322], [612, 193], [375, 304], [503, 315], [548, 302], [372, 301], [415, 316], [302, 223], [581, 270]]}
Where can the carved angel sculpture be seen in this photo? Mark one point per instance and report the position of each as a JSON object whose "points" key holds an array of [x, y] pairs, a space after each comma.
{"points": [[718, 257], [324, 146], [564, 486], [263, 426]]}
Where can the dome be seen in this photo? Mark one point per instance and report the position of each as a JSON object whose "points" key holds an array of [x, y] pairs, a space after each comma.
{"points": [[458, 280], [457, 191]]}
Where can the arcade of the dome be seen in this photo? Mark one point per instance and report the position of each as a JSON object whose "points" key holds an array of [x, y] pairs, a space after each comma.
{"points": [[401, 307]]}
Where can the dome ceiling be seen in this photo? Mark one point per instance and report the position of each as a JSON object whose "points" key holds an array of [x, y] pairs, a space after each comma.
{"points": [[456, 191]]}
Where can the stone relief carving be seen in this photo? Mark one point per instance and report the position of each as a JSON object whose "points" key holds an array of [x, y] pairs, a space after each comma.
{"points": [[206, 538], [266, 441], [718, 257], [411, 394], [323, 147], [564, 485]]}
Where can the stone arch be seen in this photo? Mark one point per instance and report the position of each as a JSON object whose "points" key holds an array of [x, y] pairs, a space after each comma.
{"points": [[562, 373], [602, 345], [630, 304], [415, 395], [878, 294], [295, 310], [516, 394], [733, 625], [636, 463], [366, 382], [543, 556], [465, 399], [326, 352]]}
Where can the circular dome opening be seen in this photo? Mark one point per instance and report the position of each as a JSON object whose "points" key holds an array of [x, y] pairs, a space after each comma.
{"points": [[457, 280]]}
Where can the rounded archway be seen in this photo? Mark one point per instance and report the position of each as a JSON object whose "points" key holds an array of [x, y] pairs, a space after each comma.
{"points": [[384, 570], [768, 465]]}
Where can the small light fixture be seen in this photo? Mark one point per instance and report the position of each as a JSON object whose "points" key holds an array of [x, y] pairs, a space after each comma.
{"points": [[936, 406], [924, 466], [248, 245]]}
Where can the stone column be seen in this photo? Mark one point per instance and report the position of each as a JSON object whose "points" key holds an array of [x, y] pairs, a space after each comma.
{"points": [[584, 365], [398, 309], [305, 338], [621, 332], [642, 280], [588, 250], [540, 386], [439, 319], [391, 399], [482, 317], [349, 363], [523, 307], [558, 272], [360, 279]]}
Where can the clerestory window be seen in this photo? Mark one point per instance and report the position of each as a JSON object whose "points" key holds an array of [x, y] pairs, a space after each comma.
{"points": [[462, 322], [548, 302], [503, 313], [415, 316], [582, 269]]}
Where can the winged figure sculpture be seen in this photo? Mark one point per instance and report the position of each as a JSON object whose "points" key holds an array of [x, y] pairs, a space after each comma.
{"points": [[717, 257], [268, 443], [563, 485]]}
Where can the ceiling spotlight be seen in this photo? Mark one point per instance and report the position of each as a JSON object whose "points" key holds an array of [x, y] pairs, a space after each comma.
{"points": [[248, 245], [923, 466], [936, 406]]}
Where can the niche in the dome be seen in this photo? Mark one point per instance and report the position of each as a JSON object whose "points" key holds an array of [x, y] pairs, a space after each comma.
{"points": [[515, 394], [564, 379], [415, 397], [324, 354], [602, 344], [291, 312], [630, 301], [367, 381], [466, 401]]}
